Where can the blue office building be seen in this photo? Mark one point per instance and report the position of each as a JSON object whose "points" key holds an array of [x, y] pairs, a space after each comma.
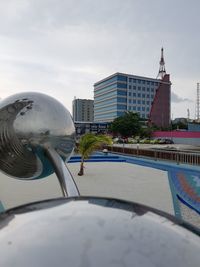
{"points": [[121, 92]]}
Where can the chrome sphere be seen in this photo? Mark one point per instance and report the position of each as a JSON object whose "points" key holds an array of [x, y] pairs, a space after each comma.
{"points": [[91, 231], [30, 123]]}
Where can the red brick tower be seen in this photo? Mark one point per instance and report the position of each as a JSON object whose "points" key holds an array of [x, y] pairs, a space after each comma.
{"points": [[160, 109]]}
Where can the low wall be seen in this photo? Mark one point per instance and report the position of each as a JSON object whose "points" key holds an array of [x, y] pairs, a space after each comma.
{"points": [[180, 137], [178, 156]]}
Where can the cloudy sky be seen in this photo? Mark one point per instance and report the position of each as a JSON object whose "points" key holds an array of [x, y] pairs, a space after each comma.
{"points": [[62, 47]]}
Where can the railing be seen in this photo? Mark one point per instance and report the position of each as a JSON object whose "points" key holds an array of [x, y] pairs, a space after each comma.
{"points": [[178, 156]]}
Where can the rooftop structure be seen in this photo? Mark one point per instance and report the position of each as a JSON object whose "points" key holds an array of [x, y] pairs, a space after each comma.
{"points": [[162, 71]]}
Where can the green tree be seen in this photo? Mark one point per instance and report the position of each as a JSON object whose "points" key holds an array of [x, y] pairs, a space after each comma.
{"points": [[127, 125], [88, 144]]}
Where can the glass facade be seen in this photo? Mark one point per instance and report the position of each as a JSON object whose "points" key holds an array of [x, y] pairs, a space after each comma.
{"points": [[119, 93]]}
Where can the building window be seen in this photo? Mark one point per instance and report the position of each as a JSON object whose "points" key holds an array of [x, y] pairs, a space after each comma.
{"points": [[143, 95], [143, 88], [143, 102], [134, 101], [122, 78], [121, 85], [139, 88], [148, 96], [143, 108], [138, 108], [143, 82], [130, 101], [121, 106], [134, 108], [120, 99], [148, 89], [139, 81], [134, 94], [147, 102], [129, 86], [139, 102], [134, 87], [139, 95], [152, 89]]}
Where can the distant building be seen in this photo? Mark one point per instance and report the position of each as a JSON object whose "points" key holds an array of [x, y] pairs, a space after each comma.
{"points": [[83, 110], [121, 92]]}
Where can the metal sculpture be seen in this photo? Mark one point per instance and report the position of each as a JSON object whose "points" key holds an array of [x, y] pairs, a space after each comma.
{"points": [[37, 135]]}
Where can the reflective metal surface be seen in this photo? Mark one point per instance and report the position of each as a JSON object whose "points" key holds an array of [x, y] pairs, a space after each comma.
{"points": [[30, 122], [67, 183], [94, 232]]}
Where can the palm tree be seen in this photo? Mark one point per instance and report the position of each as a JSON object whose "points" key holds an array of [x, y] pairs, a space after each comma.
{"points": [[88, 144]]}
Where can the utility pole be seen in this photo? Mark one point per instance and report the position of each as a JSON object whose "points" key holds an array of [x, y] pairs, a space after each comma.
{"points": [[188, 114]]}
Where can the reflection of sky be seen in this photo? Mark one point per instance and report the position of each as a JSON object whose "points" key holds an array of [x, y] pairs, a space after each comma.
{"points": [[45, 50]]}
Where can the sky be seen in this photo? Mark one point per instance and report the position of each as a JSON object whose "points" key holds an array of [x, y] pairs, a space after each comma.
{"points": [[62, 47]]}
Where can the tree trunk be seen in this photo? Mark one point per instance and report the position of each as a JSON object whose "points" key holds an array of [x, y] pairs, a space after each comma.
{"points": [[81, 172]]}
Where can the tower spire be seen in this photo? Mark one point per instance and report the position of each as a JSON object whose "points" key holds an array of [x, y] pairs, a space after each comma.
{"points": [[162, 70]]}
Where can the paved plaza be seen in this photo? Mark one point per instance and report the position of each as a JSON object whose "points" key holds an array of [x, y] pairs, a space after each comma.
{"points": [[164, 186], [110, 179]]}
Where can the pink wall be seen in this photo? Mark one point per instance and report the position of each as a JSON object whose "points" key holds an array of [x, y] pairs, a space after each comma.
{"points": [[176, 134]]}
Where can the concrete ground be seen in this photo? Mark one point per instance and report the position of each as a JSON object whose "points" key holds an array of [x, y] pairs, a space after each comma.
{"points": [[122, 180]]}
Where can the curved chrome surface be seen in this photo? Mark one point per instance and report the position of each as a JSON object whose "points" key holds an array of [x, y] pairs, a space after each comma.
{"points": [[30, 122], [94, 232], [68, 186]]}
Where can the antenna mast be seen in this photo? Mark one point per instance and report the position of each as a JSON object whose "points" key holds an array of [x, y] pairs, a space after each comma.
{"points": [[162, 70], [197, 103]]}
